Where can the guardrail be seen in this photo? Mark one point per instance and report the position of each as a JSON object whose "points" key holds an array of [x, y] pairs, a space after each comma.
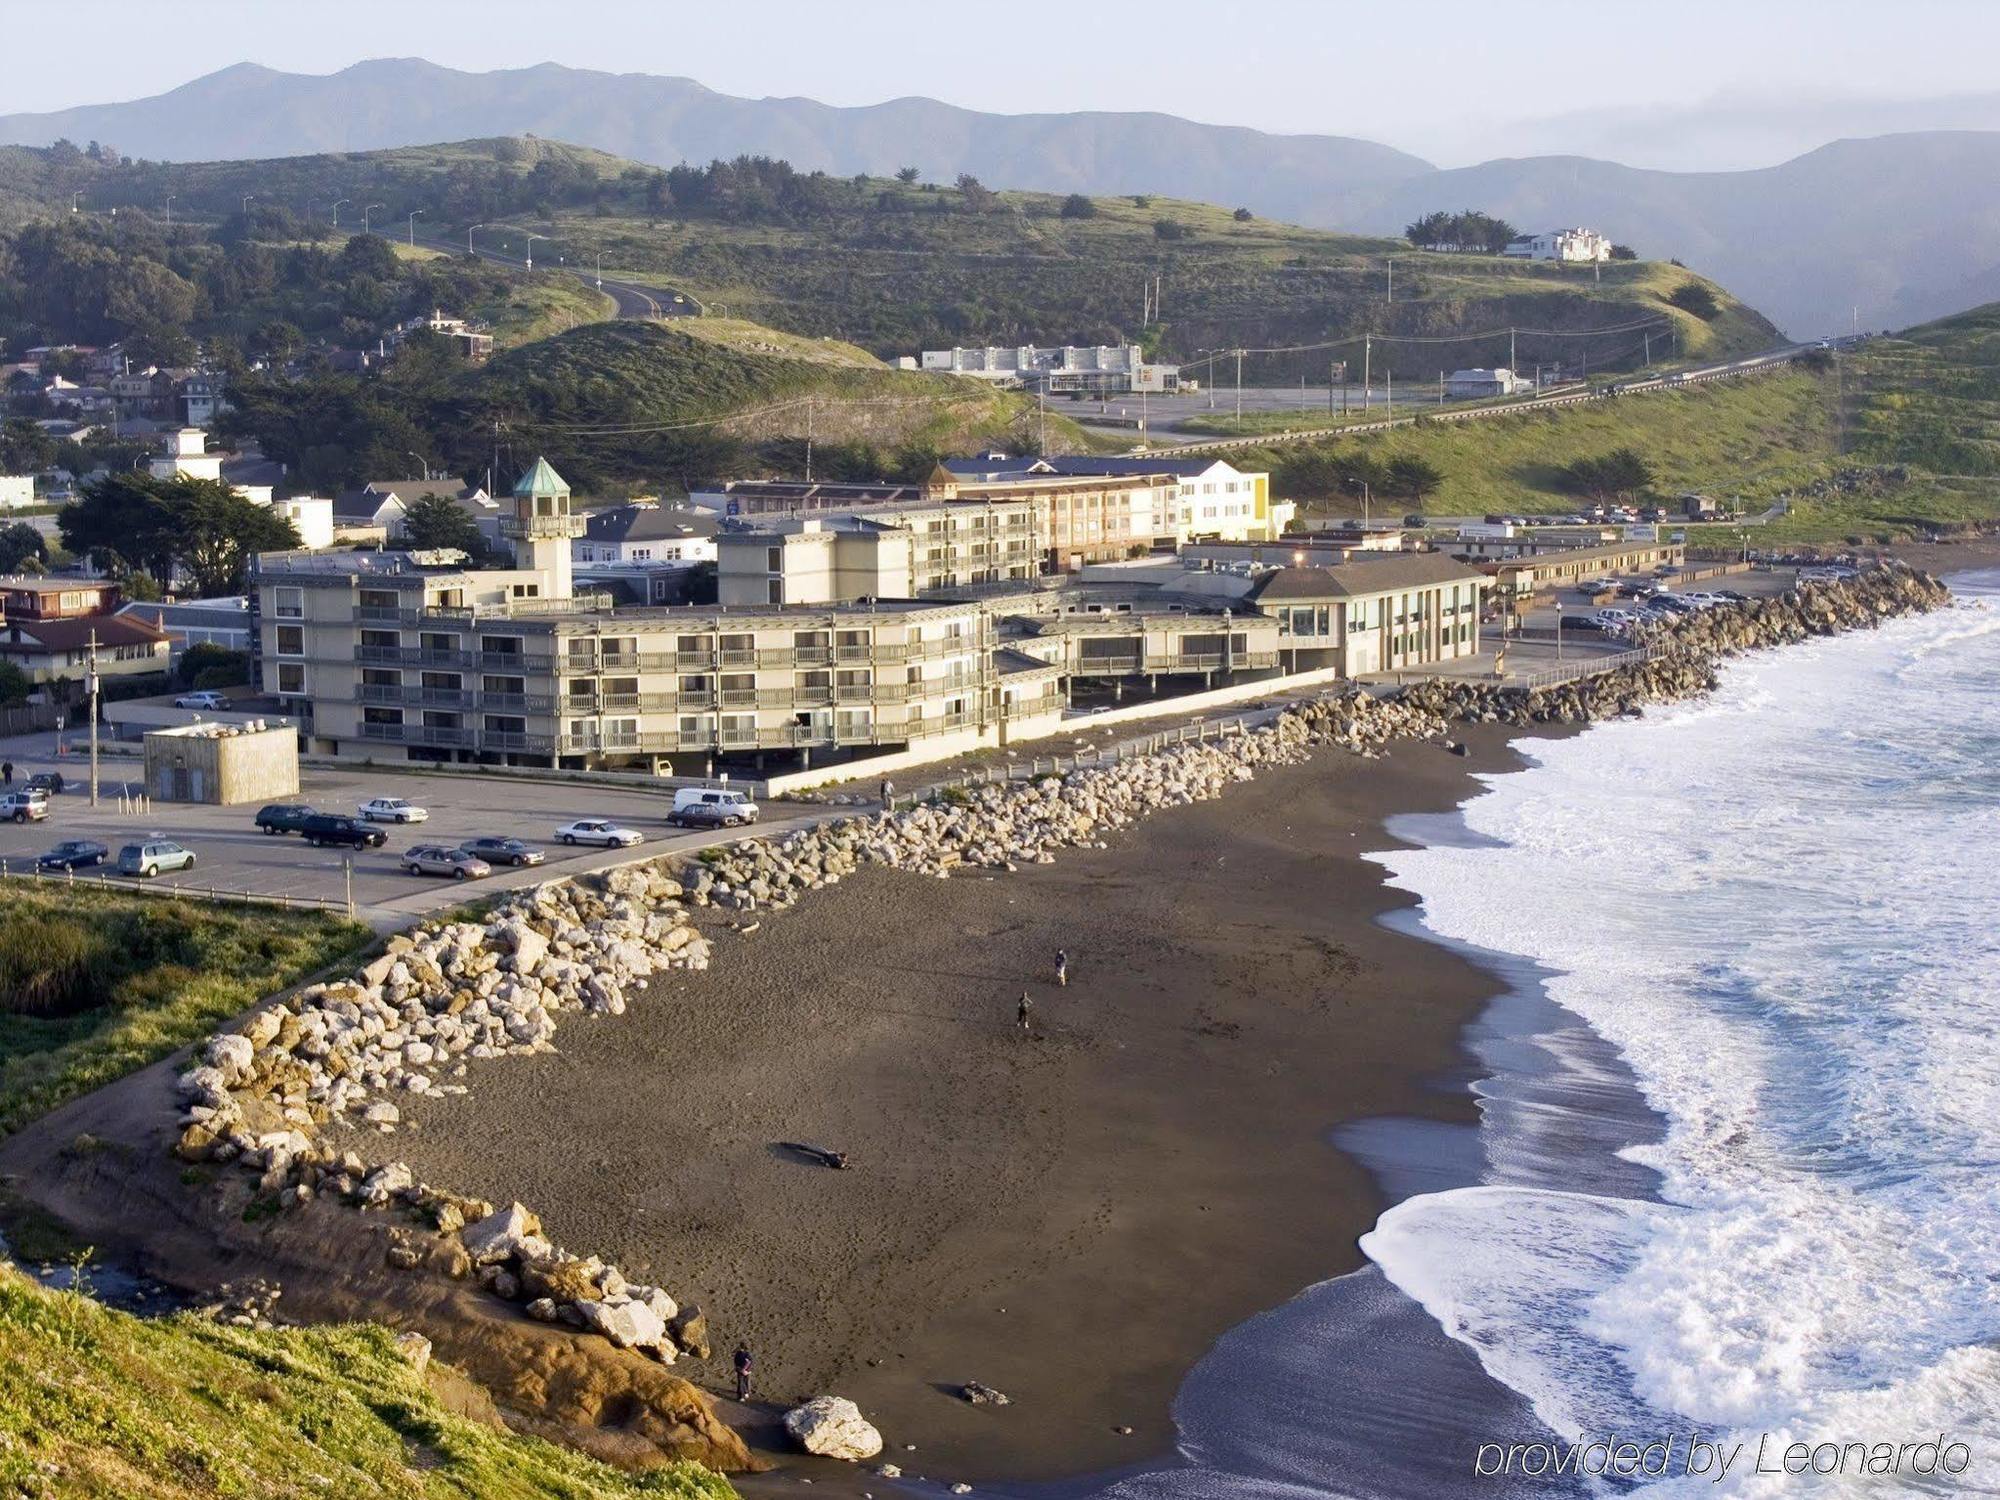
{"points": [[1588, 667]]}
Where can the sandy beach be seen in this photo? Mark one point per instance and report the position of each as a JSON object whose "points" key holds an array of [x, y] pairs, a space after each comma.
{"points": [[1070, 1216]]}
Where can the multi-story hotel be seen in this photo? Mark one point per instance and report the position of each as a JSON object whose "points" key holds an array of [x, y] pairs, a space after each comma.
{"points": [[895, 552], [404, 653]]}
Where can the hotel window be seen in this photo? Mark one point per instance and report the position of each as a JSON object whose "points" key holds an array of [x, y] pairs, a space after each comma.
{"points": [[288, 604], [291, 677], [695, 685], [432, 640], [291, 640]]}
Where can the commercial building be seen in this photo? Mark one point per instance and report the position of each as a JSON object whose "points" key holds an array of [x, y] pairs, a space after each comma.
{"points": [[1382, 614], [1100, 370], [894, 552], [749, 498], [1460, 384], [1555, 567], [1192, 497], [417, 658]]}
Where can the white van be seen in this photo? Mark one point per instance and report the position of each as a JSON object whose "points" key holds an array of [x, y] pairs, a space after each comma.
{"points": [[710, 807]]}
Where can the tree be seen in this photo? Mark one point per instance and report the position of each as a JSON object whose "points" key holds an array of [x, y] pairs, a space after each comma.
{"points": [[224, 667], [216, 532], [14, 684], [25, 448], [1609, 476], [22, 548], [1411, 476], [121, 522], [908, 176], [1624, 252], [1243, 216], [1077, 206], [1694, 297], [978, 197], [433, 522]]}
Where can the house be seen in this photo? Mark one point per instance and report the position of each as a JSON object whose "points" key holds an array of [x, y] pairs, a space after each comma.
{"points": [[223, 622], [1562, 245], [467, 342], [1480, 382], [379, 506], [16, 490], [184, 452], [36, 597], [311, 516], [55, 649], [642, 531], [198, 395]]}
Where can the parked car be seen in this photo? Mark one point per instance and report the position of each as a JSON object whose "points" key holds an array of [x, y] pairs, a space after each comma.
{"points": [[154, 857], [599, 831], [25, 806], [51, 782], [737, 804], [502, 851], [73, 854], [392, 810], [206, 699], [704, 815], [324, 830], [1582, 622], [284, 817], [436, 859], [1621, 617]]}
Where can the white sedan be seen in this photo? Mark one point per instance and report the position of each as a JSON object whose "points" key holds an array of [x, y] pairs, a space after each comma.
{"points": [[599, 831], [392, 810]]}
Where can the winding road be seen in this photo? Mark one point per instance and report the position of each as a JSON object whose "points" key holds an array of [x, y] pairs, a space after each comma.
{"points": [[633, 300]]}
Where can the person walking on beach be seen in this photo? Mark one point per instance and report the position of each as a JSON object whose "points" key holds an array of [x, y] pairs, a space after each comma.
{"points": [[1024, 1014], [1062, 968], [888, 795], [742, 1361]]}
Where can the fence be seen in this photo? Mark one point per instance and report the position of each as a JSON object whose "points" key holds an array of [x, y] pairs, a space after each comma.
{"points": [[101, 880], [1589, 667]]}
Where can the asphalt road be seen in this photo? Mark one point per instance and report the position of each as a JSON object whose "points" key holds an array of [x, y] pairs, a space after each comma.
{"points": [[633, 300]]}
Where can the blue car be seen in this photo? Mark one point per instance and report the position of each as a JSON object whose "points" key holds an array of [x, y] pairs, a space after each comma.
{"points": [[73, 854]]}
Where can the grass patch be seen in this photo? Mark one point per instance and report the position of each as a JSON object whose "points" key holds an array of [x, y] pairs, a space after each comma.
{"points": [[96, 984], [95, 1402]]}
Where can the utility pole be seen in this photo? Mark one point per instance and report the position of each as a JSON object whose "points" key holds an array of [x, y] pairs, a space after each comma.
{"points": [[93, 716], [1239, 390], [1389, 395], [809, 440], [1042, 420], [1440, 388], [1649, 349], [1392, 280], [1510, 349], [1367, 358], [1146, 304]]}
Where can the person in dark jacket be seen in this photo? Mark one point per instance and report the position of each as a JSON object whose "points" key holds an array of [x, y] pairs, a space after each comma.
{"points": [[741, 1359]]}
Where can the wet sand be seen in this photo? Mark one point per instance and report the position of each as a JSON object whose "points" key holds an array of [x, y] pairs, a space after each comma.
{"points": [[1071, 1216]]}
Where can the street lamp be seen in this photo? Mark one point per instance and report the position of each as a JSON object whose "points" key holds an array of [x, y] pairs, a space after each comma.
{"points": [[415, 213], [529, 262], [1366, 499], [72, 199], [600, 270], [246, 204], [423, 463], [468, 238], [336, 210], [170, 210], [365, 212]]}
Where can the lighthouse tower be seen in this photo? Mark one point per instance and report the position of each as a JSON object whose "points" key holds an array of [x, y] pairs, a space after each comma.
{"points": [[542, 528]]}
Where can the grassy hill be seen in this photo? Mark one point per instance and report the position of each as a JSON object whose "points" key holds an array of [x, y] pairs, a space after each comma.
{"points": [[897, 266], [1899, 439], [98, 1403], [623, 407]]}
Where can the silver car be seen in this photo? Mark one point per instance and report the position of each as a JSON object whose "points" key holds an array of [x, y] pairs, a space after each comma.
{"points": [[436, 859]]}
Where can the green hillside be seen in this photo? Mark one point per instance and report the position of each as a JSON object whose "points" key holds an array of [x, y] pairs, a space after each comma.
{"points": [[620, 407], [1897, 439], [98, 1403], [896, 266]]}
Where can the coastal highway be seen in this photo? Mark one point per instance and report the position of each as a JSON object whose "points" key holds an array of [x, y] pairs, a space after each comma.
{"points": [[1764, 362], [632, 299]]}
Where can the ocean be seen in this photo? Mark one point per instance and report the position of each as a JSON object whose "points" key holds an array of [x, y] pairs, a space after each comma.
{"points": [[1736, 1181]]}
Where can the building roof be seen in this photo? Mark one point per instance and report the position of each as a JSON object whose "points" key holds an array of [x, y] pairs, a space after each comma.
{"points": [[542, 479], [231, 613], [649, 523], [74, 634], [995, 465], [407, 490], [1356, 579], [363, 507]]}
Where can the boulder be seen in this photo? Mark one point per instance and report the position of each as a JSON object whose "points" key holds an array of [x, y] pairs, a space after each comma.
{"points": [[629, 1325], [506, 1232], [559, 1280], [689, 1329], [232, 1056], [981, 1394], [414, 1348], [833, 1427]]}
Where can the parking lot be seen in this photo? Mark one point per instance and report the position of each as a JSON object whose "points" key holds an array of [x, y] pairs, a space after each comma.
{"points": [[233, 855]]}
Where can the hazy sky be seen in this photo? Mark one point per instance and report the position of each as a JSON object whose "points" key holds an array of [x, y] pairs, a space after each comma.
{"points": [[1701, 83]]}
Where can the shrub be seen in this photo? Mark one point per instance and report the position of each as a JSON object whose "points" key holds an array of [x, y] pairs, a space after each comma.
{"points": [[1167, 229], [1077, 206], [1243, 216], [1693, 297]]}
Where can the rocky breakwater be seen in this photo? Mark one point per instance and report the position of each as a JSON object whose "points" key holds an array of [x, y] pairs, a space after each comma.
{"points": [[1687, 653]]}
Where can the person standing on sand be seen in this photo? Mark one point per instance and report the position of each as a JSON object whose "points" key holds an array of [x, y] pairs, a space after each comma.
{"points": [[1024, 1014], [888, 795], [742, 1361], [1062, 968]]}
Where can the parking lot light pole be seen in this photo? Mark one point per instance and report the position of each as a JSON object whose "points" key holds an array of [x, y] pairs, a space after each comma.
{"points": [[347, 874], [93, 717]]}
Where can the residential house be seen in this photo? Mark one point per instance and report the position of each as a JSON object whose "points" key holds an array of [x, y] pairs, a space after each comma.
{"points": [[1460, 384], [644, 531], [1561, 245], [223, 621]]}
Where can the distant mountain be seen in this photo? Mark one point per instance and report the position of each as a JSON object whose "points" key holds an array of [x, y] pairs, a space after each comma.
{"points": [[1897, 227]]}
